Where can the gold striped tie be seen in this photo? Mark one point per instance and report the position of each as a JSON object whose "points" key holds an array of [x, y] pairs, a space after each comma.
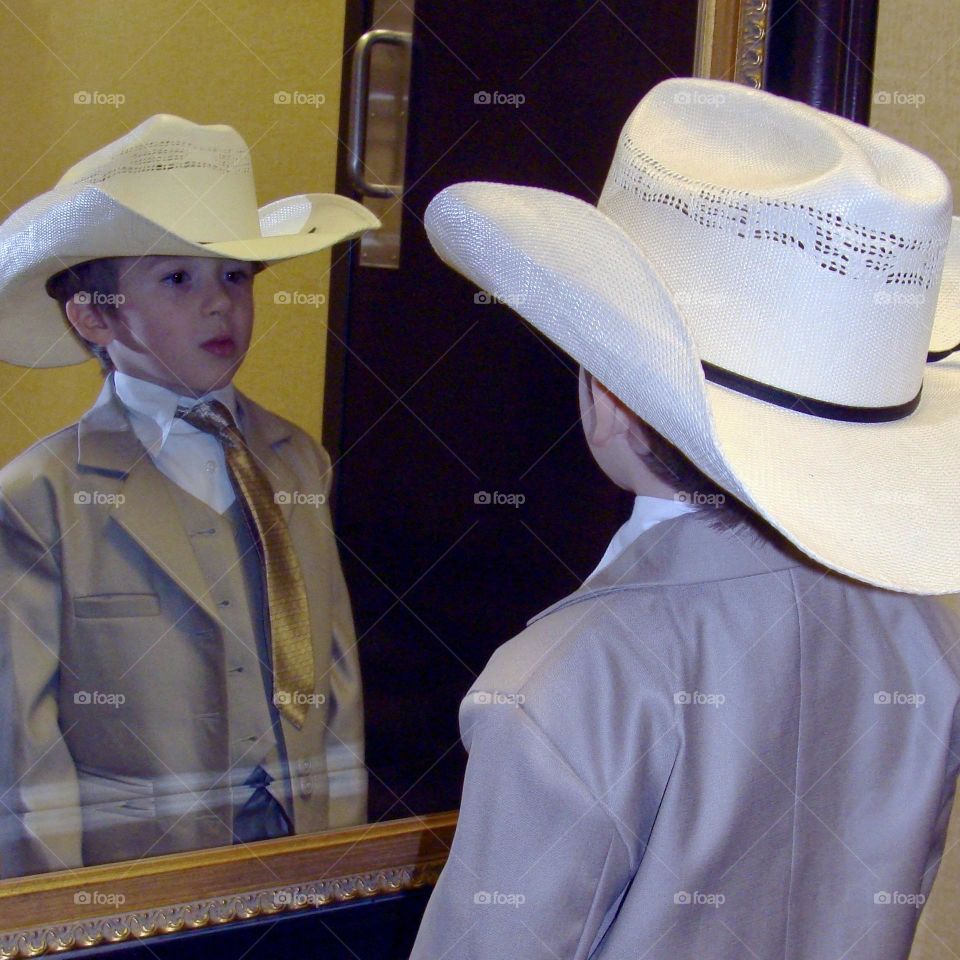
{"points": [[290, 642]]}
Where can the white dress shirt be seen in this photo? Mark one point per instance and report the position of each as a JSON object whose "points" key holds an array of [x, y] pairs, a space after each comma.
{"points": [[647, 513], [192, 459]]}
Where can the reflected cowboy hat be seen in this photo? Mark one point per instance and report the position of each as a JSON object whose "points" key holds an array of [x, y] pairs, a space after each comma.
{"points": [[169, 187], [773, 289]]}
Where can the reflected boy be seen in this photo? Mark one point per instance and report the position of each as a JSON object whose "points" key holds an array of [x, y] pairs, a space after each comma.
{"points": [[174, 620]]}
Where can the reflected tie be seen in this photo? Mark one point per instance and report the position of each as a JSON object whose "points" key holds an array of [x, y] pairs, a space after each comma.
{"points": [[261, 817], [290, 642]]}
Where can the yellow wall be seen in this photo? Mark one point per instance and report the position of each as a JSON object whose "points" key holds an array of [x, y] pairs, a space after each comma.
{"points": [[917, 71], [915, 90], [212, 61]]}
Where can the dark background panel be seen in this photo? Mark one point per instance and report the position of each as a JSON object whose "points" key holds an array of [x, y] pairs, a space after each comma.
{"points": [[444, 397]]}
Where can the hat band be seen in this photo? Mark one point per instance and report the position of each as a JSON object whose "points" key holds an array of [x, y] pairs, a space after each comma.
{"points": [[802, 404], [934, 355]]}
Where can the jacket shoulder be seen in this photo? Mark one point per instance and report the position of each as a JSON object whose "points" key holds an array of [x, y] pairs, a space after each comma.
{"points": [[33, 482], [50, 457], [576, 641]]}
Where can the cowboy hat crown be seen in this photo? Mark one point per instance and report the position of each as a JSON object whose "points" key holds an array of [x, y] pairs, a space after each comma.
{"points": [[760, 215]]}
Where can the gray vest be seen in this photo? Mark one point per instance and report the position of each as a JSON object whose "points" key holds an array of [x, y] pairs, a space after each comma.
{"points": [[227, 554]]}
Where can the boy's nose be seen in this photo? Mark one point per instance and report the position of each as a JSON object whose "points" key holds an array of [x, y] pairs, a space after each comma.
{"points": [[217, 299]]}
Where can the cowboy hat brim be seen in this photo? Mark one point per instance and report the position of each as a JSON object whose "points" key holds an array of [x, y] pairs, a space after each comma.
{"points": [[69, 226], [876, 502]]}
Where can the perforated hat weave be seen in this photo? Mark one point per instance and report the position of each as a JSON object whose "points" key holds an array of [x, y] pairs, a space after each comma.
{"points": [[757, 241]]}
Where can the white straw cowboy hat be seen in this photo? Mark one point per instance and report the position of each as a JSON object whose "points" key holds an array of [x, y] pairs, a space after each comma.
{"points": [[168, 187], [761, 282]]}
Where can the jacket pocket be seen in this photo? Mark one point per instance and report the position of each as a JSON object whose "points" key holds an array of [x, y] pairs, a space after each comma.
{"points": [[116, 605]]}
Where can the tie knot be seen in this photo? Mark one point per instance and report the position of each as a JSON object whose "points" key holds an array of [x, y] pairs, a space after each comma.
{"points": [[211, 416]]}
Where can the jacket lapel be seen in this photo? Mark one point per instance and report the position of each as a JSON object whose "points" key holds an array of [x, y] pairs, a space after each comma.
{"points": [[107, 444]]}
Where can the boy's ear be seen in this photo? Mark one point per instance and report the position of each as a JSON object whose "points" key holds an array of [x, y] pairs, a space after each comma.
{"points": [[604, 416], [88, 320]]}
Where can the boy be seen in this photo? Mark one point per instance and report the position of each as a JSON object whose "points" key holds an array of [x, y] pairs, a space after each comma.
{"points": [[739, 737], [174, 623]]}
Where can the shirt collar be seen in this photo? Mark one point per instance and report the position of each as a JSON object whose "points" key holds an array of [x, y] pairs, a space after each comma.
{"points": [[647, 513], [156, 406]]}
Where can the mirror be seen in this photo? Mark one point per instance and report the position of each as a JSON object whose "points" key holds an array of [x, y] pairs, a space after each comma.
{"points": [[90, 75]]}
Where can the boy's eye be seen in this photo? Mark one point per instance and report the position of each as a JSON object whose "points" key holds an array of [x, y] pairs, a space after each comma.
{"points": [[238, 276], [176, 278]]}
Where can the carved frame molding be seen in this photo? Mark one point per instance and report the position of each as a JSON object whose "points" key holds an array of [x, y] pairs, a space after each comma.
{"points": [[62, 911], [732, 40]]}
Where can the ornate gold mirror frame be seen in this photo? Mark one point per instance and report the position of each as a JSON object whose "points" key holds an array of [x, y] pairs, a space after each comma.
{"points": [[70, 909], [731, 40], [54, 912]]}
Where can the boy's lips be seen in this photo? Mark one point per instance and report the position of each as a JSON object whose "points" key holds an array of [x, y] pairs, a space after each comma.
{"points": [[220, 346]]}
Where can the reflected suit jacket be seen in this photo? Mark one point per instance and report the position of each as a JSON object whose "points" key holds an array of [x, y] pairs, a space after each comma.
{"points": [[103, 598], [713, 749]]}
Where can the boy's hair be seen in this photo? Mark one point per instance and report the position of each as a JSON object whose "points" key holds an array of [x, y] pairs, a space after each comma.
{"points": [[98, 280], [693, 486]]}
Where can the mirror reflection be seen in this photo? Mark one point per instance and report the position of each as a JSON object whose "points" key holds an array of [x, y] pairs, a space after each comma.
{"points": [[178, 653]]}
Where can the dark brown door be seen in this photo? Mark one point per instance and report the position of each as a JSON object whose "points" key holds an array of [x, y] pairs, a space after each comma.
{"points": [[435, 398]]}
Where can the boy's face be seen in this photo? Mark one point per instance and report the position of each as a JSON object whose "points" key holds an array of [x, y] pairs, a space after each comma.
{"points": [[182, 322]]}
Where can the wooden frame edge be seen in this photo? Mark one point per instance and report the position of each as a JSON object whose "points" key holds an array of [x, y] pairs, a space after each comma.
{"points": [[731, 40], [156, 896]]}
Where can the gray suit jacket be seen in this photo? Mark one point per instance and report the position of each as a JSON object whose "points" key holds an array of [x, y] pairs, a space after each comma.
{"points": [[713, 749], [102, 594]]}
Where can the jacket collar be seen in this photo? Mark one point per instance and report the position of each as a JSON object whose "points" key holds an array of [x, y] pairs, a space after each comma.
{"points": [[687, 550]]}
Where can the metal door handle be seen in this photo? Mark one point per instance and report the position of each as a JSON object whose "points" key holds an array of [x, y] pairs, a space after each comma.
{"points": [[359, 88]]}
